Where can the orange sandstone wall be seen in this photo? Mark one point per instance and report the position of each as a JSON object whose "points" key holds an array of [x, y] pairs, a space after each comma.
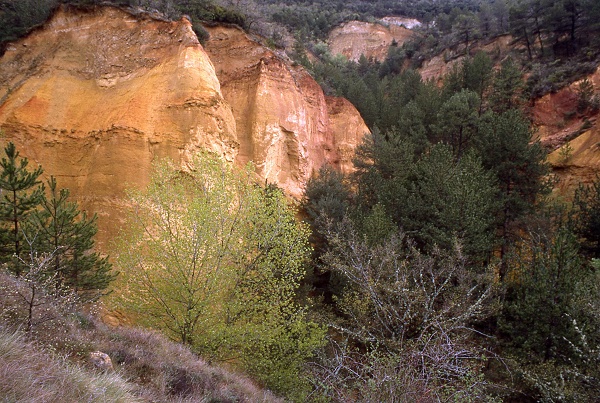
{"points": [[285, 124], [96, 96]]}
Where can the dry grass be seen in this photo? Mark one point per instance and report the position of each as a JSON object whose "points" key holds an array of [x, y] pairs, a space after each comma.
{"points": [[165, 371], [30, 374], [50, 363]]}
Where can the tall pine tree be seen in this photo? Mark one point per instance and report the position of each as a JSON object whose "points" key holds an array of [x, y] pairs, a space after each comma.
{"points": [[68, 234], [21, 193], [520, 168]]}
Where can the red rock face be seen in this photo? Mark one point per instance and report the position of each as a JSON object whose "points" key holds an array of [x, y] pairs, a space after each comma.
{"points": [[571, 135], [97, 96]]}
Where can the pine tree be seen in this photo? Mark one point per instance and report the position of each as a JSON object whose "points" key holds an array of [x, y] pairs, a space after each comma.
{"points": [[520, 28], [21, 193], [458, 121], [520, 168], [68, 234], [477, 74], [585, 217], [537, 315], [448, 200], [507, 88]]}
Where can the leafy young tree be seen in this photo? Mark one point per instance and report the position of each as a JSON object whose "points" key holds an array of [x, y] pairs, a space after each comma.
{"points": [[21, 194], [215, 262], [61, 229], [276, 337]]}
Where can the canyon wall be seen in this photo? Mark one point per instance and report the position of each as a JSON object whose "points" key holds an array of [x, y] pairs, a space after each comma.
{"points": [[285, 124], [356, 38], [96, 95], [571, 135]]}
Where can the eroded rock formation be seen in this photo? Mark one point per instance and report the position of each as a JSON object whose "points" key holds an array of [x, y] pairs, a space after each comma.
{"points": [[571, 134], [285, 124], [97, 95], [356, 38]]}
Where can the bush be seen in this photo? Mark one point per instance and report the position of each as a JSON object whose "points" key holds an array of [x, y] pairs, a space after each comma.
{"points": [[201, 33], [406, 318]]}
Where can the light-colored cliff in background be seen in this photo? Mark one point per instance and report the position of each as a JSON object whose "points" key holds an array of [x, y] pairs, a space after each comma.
{"points": [[96, 96], [356, 38]]}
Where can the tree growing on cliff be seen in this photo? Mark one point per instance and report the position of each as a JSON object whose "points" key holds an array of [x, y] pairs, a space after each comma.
{"points": [[215, 261], [21, 193]]}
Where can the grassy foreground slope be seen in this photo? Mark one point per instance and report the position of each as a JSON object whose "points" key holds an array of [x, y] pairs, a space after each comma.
{"points": [[51, 363]]}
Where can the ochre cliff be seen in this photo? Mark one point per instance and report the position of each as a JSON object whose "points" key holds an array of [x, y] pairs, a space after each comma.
{"points": [[285, 124], [438, 66], [356, 38], [96, 95], [571, 135]]}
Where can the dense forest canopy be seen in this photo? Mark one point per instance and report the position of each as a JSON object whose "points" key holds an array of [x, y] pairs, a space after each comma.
{"points": [[559, 38]]}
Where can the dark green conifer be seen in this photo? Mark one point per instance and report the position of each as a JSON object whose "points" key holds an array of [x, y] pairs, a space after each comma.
{"points": [[21, 193], [68, 234]]}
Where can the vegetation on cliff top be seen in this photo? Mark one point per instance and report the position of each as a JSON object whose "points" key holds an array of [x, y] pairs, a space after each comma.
{"points": [[558, 40]]}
